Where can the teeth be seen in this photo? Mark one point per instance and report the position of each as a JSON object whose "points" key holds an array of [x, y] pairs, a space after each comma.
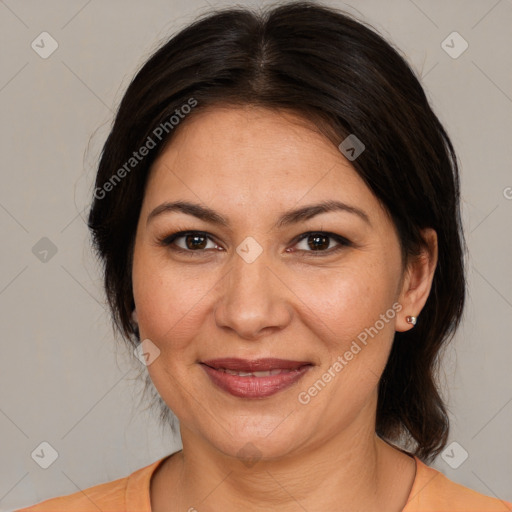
{"points": [[267, 373]]}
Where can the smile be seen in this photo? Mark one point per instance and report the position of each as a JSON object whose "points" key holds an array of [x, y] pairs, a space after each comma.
{"points": [[254, 379]]}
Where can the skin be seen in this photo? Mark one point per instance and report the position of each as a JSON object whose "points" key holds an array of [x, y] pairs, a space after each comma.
{"points": [[251, 165]]}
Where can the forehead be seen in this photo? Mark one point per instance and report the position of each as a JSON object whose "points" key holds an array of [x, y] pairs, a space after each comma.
{"points": [[243, 156]]}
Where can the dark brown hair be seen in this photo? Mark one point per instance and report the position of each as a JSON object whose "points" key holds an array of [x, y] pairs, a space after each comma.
{"points": [[343, 77]]}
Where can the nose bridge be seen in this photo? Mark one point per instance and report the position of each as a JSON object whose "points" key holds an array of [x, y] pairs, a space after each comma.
{"points": [[251, 299], [250, 269]]}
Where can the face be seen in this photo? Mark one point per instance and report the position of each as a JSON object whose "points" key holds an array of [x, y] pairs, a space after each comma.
{"points": [[239, 276]]}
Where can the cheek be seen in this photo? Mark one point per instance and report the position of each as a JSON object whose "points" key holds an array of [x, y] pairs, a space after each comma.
{"points": [[346, 316], [351, 311], [345, 301], [170, 302], [168, 308]]}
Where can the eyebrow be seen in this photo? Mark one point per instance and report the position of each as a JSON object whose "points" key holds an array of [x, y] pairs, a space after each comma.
{"points": [[291, 217]]}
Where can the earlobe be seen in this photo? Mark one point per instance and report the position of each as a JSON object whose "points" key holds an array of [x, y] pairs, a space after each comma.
{"points": [[135, 324], [405, 323], [411, 320], [418, 282]]}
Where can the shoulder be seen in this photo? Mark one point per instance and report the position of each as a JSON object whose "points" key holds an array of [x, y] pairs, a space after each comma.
{"points": [[434, 492], [107, 497], [102, 496]]}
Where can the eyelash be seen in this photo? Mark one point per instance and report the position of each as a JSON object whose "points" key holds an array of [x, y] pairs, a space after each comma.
{"points": [[167, 241]]}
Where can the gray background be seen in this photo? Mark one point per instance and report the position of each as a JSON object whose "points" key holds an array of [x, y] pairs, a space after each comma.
{"points": [[64, 379]]}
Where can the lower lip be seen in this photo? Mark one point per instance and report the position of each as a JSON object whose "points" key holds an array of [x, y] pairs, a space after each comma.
{"points": [[254, 387]]}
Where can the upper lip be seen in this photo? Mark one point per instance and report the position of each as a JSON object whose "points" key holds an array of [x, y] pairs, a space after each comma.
{"points": [[252, 365]]}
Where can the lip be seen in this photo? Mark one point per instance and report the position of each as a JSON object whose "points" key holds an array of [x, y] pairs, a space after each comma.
{"points": [[254, 365], [252, 386]]}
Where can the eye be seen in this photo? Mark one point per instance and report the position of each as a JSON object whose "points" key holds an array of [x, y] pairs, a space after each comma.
{"points": [[320, 242], [192, 241]]}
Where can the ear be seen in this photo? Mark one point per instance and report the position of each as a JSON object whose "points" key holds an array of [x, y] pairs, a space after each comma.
{"points": [[417, 281]]}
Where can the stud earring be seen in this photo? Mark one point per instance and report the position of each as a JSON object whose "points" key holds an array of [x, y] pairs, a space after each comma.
{"points": [[411, 320]]}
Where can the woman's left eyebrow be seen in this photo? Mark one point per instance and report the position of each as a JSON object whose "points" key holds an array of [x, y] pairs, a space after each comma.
{"points": [[291, 217]]}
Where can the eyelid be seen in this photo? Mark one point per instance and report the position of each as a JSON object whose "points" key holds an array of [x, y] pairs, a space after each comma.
{"points": [[342, 242], [168, 240], [327, 234]]}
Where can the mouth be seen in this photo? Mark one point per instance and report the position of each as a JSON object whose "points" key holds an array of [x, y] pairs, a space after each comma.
{"points": [[258, 378]]}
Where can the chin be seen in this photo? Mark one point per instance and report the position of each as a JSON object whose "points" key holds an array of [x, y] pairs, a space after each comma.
{"points": [[251, 445]]}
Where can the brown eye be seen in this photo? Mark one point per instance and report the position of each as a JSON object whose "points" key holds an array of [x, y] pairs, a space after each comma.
{"points": [[188, 241], [316, 242], [195, 241], [320, 242]]}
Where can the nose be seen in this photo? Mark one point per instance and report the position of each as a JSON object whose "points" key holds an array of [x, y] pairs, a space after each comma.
{"points": [[254, 299]]}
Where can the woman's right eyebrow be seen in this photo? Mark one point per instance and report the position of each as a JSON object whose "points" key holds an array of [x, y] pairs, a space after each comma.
{"points": [[291, 217], [197, 210]]}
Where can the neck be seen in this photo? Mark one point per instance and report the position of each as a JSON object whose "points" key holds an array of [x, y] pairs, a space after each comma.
{"points": [[354, 470]]}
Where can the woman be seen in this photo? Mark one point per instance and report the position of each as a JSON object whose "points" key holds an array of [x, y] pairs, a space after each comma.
{"points": [[277, 211]]}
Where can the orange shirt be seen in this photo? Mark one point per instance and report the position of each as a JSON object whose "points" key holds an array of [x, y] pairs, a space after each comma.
{"points": [[431, 492]]}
